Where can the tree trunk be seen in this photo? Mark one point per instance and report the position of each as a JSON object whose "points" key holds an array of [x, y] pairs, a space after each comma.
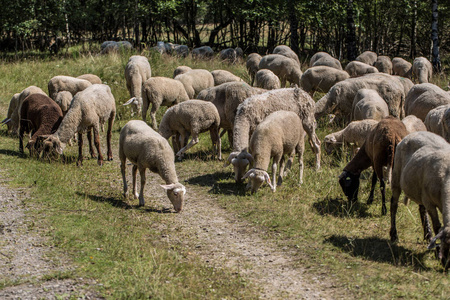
{"points": [[293, 26], [434, 36], [412, 53], [351, 34]]}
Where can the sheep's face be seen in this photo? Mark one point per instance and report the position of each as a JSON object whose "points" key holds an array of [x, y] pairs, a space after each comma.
{"points": [[350, 185], [53, 144], [444, 247], [240, 161], [175, 192], [329, 143]]}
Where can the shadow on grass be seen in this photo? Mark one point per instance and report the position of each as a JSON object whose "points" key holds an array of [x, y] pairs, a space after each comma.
{"points": [[13, 153], [200, 155], [111, 200], [341, 208], [379, 250], [220, 182]]}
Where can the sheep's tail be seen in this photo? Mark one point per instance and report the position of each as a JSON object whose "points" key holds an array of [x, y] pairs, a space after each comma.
{"points": [[390, 156]]}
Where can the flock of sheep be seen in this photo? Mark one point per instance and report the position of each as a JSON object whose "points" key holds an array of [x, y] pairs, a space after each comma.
{"points": [[398, 128]]}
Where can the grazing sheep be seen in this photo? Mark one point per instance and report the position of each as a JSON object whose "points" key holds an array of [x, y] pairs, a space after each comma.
{"points": [[321, 78], [353, 135], [228, 55], [285, 68], [181, 51], [253, 111], [384, 64], [422, 172], [406, 82], [367, 57], [239, 54], [93, 79], [195, 80], [66, 83], [137, 71], [110, 47], [90, 108], [40, 115], [266, 79], [63, 99], [222, 76], [422, 69], [318, 56], [279, 134], [13, 104], [413, 124], [191, 117], [204, 52], [159, 91], [369, 105], [181, 70], [377, 151], [401, 67], [446, 125], [341, 96], [286, 51], [434, 120], [329, 62], [424, 97], [252, 65], [146, 149], [357, 68]]}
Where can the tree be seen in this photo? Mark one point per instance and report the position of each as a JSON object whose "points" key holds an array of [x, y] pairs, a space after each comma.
{"points": [[434, 36]]}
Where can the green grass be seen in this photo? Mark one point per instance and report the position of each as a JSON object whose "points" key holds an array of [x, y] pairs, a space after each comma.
{"points": [[87, 218]]}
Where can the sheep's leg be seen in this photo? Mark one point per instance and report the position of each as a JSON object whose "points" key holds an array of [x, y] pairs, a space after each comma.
{"points": [[91, 146], [141, 193], [230, 138], [313, 141], [282, 170], [97, 146], [21, 132], [372, 188], [394, 207], [301, 166], [274, 174], [80, 149], [155, 108], [176, 142], [108, 136], [193, 142], [144, 109], [434, 219], [425, 223], [134, 174], [124, 178], [383, 196], [216, 141]]}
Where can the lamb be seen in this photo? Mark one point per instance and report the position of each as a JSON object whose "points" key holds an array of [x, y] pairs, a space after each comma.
{"points": [[252, 65], [180, 70], [321, 78], [356, 68], [191, 117], [384, 64], [66, 83], [40, 115], [266, 79], [253, 111], [353, 135], [204, 52], [93, 79], [317, 56], [89, 109], [329, 62], [195, 80], [413, 124], [137, 71], [145, 148], [422, 69], [424, 97], [422, 172], [222, 76], [159, 91], [279, 134], [435, 120], [286, 51], [367, 57], [369, 105], [285, 68], [377, 151], [401, 67]]}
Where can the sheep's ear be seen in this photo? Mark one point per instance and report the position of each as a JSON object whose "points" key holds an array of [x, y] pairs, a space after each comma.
{"points": [[249, 173], [130, 101], [168, 186], [230, 159], [338, 91], [343, 174], [433, 244]]}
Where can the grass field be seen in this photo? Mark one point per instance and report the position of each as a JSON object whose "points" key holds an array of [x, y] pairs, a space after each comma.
{"points": [[82, 210]]}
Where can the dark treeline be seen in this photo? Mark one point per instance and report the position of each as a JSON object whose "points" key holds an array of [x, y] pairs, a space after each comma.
{"points": [[395, 28]]}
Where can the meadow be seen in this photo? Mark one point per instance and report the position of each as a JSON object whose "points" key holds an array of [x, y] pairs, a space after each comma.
{"points": [[82, 209]]}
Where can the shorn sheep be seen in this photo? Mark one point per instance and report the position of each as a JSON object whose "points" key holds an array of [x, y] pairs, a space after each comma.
{"points": [[89, 109], [377, 151], [424, 97], [285, 68], [146, 149], [280, 134], [66, 83], [384, 64], [422, 172], [266, 79], [369, 105], [413, 124], [435, 120], [356, 68], [222, 76], [195, 80], [137, 71], [317, 56], [422, 69], [328, 61], [252, 65], [191, 117], [367, 57], [401, 67], [321, 78], [286, 51]]}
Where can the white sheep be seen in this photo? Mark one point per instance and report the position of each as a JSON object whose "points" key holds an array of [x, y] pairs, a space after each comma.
{"points": [[266, 79], [413, 124], [89, 109], [424, 97], [252, 65], [13, 104], [280, 134], [137, 71], [328, 61], [222, 76], [384, 64], [356, 68], [146, 149], [204, 52], [321, 78], [446, 125], [422, 69], [180, 70], [63, 99], [401, 67], [195, 80], [285, 68], [434, 121], [94, 79], [367, 57], [228, 55], [422, 172], [66, 83], [369, 105], [286, 51], [191, 117]]}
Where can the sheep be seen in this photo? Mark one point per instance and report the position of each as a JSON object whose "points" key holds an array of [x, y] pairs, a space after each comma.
{"points": [[424, 97], [239, 53], [266, 79], [204, 52], [317, 56], [252, 65], [180, 70], [377, 151], [228, 55], [40, 115], [285, 68], [286, 51], [90, 108], [406, 82], [66, 83], [321, 78], [195, 80], [191, 117], [63, 99], [422, 69], [413, 124], [329, 62], [368, 104], [401, 67], [384, 64], [93, 79], [253, 111], [353, 135], [367, 57], [357, 68], [222, 76], [279, 134], [181, 50], [446, 125], [341, 95], [110, 47], [13, 104], [146, 149], [434, 120], [422, 172], [137, 71]]}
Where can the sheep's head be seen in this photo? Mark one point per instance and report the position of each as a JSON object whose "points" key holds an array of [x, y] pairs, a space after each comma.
{"points": [[136, 103], [350, 185], [256, 178], [53, 144], [63, 99], [240, 161], [330, 143], [175, 192], [444, 247]]}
